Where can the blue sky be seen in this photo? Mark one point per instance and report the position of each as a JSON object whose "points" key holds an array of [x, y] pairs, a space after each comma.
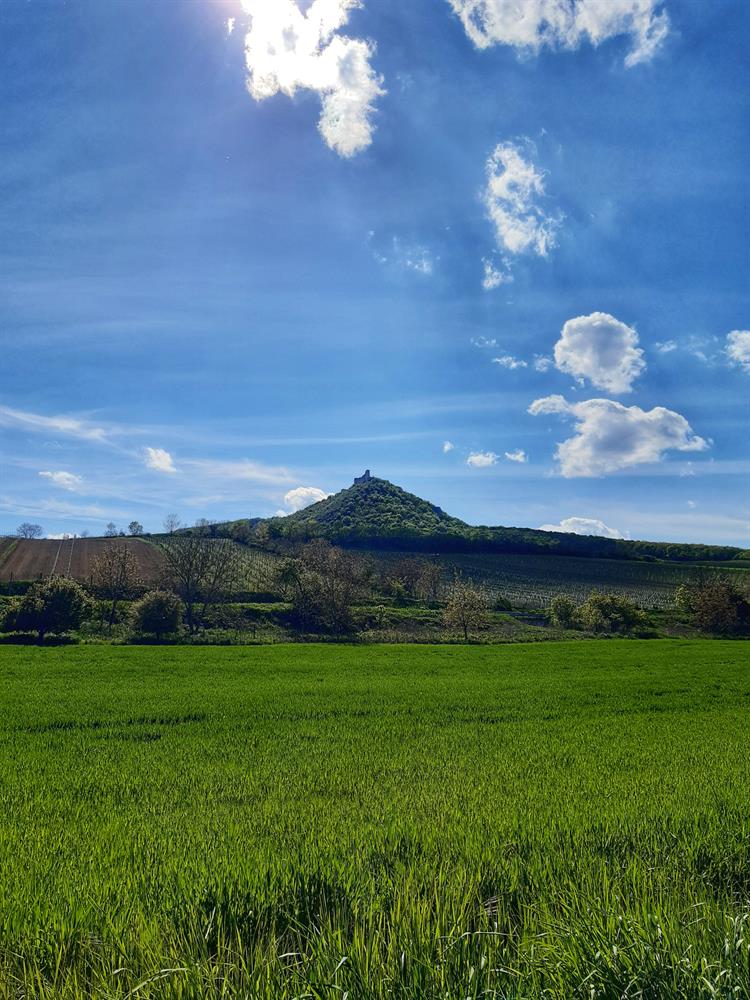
{"points": [[527, 239]]}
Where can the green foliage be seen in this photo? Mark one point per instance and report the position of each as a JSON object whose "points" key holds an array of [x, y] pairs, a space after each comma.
{"points": [[465, 608], [554, 821], [715, 604], [610, 613], [53, 606], [323, 584], [157, 613], [562, 612]]}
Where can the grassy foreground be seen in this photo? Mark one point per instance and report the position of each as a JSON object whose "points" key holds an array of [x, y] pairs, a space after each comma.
{"points": [[562, 820]]}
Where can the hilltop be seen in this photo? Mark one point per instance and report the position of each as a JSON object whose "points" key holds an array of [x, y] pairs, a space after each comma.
{"points": [[376, 514]]}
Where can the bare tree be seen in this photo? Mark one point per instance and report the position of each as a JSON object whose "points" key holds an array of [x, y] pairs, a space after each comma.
{"points": [[115, 576], [201, 570], [27, 530], [466, 608], [111, 530], [323, 584], [171, 523]]}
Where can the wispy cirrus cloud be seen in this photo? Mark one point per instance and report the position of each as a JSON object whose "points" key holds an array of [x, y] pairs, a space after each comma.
{"points": [[66, 425], [64, 480]]}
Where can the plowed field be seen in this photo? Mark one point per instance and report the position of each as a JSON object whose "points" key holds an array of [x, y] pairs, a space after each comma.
{"points": [[27, 559]]}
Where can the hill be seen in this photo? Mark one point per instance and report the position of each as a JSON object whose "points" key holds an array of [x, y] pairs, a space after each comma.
{"points": [[24, 559], [375, 514]]}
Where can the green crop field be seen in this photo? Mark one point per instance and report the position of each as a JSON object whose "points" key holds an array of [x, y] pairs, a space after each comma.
{"points": [[566, 820]]}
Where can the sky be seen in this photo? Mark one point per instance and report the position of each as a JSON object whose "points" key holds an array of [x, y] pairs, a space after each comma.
{"points": [[493, 250]]}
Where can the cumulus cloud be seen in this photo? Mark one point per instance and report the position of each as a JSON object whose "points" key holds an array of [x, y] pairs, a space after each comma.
{"points": [[448, 446], [738, 348], [159, 460], [609, 436], [519, 455], [287, 50], [481, 459], [65, 480], [512, 199], [583, 526], [508, 361], [531, 24], [302, 496], [601, 349]]}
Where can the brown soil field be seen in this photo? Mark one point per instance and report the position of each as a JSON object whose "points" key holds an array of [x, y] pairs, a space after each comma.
{"points": [[34, 559]]}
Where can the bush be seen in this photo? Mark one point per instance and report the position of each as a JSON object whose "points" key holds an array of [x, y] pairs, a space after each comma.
{"points": [[158, 613], [715, 605], [562, 612], [57, 606], [610, 613]]}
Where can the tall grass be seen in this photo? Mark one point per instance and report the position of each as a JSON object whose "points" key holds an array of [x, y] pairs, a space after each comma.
{"points": [[562, 821]]}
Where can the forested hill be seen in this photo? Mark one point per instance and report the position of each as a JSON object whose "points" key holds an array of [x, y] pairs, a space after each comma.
{"points": [[375, 514]]}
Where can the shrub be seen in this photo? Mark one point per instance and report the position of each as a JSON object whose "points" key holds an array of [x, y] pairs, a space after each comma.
{"points": [[715, 605], [57, 606], [562, 612], [157, 613], [466, 608], [610, 613]]}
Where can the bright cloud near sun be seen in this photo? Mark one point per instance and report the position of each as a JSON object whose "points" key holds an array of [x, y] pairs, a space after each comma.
{"points": [[481, 459], [531, 24], [583, 526], [303, 496], [287, 50], [609, 436], [601, 349], [738, 348], [65, 480], [512, 199], [159, 460]]}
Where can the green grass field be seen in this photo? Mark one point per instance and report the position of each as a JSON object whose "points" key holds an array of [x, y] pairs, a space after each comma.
{"points": [[567, 820]]}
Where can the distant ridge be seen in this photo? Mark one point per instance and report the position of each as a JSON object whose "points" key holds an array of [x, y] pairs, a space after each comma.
{"points": [[374, 513]]}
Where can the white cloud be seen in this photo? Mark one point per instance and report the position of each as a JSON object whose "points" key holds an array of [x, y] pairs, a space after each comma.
{"points": [[448, 446], [601, 349], [481, 459], [493, 277], [70, 426], [303, 496], [159, 460], [692, 504], [666, 346], [738, 348], [610, 436], [583, 526], [566, 24], [405, 255], [65, 480], [238, 471], [61, 537], [519, 455], [508, 361], [231, 21], [287, 50], [542, 363], [514, 187], [483, 342]]}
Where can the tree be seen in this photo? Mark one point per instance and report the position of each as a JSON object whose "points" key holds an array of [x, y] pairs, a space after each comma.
{"points": [[715, 604], [157, 613], [84, 533], [115, 575], [610, 613], [171, 523], [135, 528], [323, 583], [466, 608], [562, 612], [56, 605], [27, 530], [111, 530], [200, 570]]}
